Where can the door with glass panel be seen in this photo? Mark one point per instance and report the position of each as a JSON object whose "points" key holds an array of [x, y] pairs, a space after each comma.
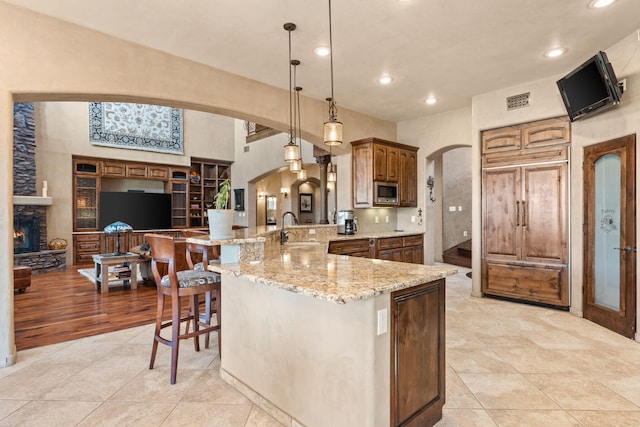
{"points": [[610, 235]]}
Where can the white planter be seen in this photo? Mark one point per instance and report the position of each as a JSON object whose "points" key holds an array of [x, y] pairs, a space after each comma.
{"points": [[220, 223]]}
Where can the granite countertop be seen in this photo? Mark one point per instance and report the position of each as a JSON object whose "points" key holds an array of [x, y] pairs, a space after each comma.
{"points": [[306, 268]]}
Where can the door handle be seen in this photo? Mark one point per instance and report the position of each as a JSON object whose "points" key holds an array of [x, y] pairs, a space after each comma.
{"points": [[517, 213], [524, 213], [627, 249]]}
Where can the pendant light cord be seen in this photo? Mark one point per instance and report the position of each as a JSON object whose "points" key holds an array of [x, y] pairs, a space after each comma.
{"points": [[332, 103], [291, 135]]}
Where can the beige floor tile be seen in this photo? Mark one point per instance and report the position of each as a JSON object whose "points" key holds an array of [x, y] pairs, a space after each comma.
{"points": [[608, 418], [576, 392], [92, 384], [465, 418], [506, 391], [259, 418], [7, 407], [35, 380], [49, 413], [137, 414], [152, 385], [209, 415], [533, 418], [558, 339], [477, 361], [627, 386], [536, 359], [210, 388], [458, 394]]}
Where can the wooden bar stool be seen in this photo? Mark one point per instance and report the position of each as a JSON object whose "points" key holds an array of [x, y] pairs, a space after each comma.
{"points": [[175, 285]]}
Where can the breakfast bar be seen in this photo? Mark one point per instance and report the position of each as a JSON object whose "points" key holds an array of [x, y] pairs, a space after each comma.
{"points": [[331, 340]]}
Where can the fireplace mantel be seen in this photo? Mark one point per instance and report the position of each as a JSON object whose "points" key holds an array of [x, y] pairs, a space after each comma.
{"points": [[32, 201]]}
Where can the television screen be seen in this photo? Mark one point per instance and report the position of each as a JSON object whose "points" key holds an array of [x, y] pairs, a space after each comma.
{"points": [[589, 88], [142, 211]]}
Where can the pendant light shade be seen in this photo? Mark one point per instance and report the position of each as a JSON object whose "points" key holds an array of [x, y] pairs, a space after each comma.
{"points": [[291, 152], [332, 174], [302, 174], [332, 127], [295, 166]]}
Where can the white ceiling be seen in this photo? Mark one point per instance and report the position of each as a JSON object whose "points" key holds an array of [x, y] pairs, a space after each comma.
{"points": [[452, 49]]}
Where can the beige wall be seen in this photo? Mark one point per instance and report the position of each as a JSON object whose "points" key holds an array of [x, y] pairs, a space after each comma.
{"points": [[48, 60]]}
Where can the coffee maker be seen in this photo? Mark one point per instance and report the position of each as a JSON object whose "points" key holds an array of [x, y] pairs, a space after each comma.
{"points": [[345, 219]]}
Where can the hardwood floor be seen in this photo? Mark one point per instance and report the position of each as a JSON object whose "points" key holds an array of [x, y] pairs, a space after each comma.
{"points": [[65, 305]]}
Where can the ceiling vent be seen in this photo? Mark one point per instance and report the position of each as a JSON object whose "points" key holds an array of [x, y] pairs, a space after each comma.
{"points": [[518, 101]]}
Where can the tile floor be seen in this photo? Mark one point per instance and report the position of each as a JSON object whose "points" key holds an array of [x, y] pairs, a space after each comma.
{"points": [[508, 364]]}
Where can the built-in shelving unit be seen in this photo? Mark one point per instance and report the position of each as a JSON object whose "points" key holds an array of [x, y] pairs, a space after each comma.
{"points": [[205, 178]]}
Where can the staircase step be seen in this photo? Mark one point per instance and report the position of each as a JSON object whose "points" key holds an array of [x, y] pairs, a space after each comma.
{"points": [[459, 255]]}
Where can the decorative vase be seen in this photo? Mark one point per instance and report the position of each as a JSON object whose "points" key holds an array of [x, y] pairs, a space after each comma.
{"points": [[220, 224]]}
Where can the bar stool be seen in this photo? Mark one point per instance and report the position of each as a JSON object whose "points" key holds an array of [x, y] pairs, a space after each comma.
{"points": [[176, 285]]}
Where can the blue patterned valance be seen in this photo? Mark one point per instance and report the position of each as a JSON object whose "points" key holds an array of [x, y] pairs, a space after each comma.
{"points": [[136, 126]]}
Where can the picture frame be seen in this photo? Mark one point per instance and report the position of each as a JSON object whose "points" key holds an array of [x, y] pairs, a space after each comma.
{"points": [[238, 197], [306, 202]]}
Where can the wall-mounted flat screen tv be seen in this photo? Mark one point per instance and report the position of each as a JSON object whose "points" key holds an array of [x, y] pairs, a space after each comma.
{"points": [[142, 211], [590, 88]]}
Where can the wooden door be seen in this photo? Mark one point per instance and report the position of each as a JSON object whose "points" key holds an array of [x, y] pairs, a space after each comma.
{"points": [[501, 213], [609, 235], [543, 212]]}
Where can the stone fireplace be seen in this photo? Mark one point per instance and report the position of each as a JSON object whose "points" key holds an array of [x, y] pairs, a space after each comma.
{"points": [[30, 244]]}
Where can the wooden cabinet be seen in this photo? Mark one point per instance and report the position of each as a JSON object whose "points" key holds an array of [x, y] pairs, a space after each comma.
{"points": [[86, 188], [402, 249], [87, 179], [408, 181], [375, 159], [206, 177], [356, 247], [418, 354], [85, 246], [525, 224]]}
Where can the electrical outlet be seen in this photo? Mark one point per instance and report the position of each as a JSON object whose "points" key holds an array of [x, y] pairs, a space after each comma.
{"points": [[382, 321], [313, 231], [413, 218], [452, 208], [459, 208], [464, 233], [386, 219], [376, 220]]}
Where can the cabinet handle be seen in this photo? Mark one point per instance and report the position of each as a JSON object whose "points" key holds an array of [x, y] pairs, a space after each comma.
{"points": [[517, 213], [524, 213]]}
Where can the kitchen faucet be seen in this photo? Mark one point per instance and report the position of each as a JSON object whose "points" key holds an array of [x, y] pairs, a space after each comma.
{"points": [[284, 234]]}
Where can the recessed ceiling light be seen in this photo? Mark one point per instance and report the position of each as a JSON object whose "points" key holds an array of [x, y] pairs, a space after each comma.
{"points": [[385, 79], [431, 100], [322, 51], [597, 4], [555, 52]]}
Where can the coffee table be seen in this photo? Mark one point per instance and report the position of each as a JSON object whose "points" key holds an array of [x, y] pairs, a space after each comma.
{"points": [[104, 261]]}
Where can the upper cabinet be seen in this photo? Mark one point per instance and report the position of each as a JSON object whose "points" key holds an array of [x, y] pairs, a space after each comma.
{"points": [[543, 140], [378, 160]]}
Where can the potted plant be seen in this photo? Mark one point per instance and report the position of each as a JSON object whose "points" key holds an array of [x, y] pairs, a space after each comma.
{"points": [[221, 218]]}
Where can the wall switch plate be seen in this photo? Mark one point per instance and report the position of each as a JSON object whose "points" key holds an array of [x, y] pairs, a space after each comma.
{"points": [[386, 219], [459, 208], [376, 219], [413, 218], [452, 208], [382, 321]]}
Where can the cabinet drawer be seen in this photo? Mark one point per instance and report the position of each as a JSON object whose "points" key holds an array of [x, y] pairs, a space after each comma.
{"points": [[502, 139], [88, 247], [113, 169], [87, 238], [389, 243], [348, 247], [545, 284], [136, 171], [154, 172], [412, 240]]}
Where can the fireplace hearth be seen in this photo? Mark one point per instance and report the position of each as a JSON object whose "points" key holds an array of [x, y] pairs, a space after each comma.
{"points": [[26, 234]]}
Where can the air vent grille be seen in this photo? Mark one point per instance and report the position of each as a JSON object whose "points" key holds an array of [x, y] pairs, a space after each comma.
{"points": [[518, 101]]}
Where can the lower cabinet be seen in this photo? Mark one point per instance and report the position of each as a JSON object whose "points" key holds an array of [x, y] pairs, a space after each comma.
{"points": [[401, 249], [355, 247], [418, 354]]}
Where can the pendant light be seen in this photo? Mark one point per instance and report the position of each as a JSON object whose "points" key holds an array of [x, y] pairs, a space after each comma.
{"points": [[332, 128], [291, 150], [295, 166], [302, 173]]}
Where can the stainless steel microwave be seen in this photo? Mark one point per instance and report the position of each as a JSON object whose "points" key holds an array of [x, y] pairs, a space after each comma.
{"points": [[386, 193]]}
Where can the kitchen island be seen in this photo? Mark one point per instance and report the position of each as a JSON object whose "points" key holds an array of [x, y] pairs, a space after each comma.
{"points": [[330, 340]]}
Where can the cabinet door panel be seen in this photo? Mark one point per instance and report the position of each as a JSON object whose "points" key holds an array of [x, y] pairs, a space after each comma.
{"points": [[547, 132], [379, 162], [503, 139], [408, 188], [392, 164], [500, 213], [544, 224], [395, 254], [362, 176]]}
